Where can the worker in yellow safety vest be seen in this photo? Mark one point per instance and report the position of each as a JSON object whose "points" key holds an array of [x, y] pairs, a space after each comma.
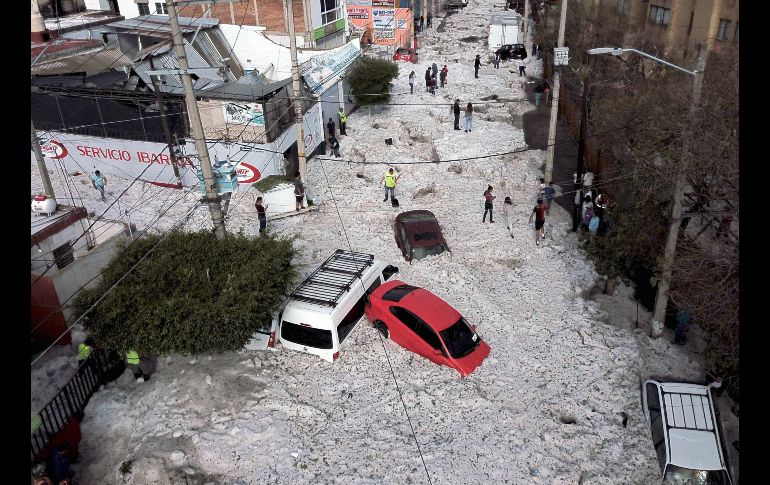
{"points": [[343, 120], [390, 179], [84, 351], [132, 362]]}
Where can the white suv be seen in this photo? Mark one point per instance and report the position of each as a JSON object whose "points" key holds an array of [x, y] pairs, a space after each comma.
{"points": [[686, 433]]}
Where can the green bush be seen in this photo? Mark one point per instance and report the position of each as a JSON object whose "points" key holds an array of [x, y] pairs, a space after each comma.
{"points": [[372, 76], [192, 294]]}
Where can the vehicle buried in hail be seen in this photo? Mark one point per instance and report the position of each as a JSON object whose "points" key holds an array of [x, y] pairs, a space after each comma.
{"points": [[418, 234], [423, 323]]}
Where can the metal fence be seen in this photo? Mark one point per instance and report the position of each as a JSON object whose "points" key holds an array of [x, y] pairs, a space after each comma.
{"points": [[101, 367]]}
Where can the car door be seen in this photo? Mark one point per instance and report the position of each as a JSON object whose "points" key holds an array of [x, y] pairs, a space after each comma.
{"points": [[403, 328], [431, 343]]}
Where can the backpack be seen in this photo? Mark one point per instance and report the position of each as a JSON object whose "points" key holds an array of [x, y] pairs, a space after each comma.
{"points": [[593, 226]]}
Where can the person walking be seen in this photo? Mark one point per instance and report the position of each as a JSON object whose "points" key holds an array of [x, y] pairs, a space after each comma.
{"points": [[430, 20], [468, 117], [343, 119], [427, 79], [456, 110], [261, 214], [498, 53], [412, 75], [335, 146], [422, 23], [587, 215], [488, 198], [538, 94], [550, 192], [99, 182], [547, 94], [84, 352], [432, 85], [331, 127], [588, 182], [477, 65], [61, 470], [538, 212], [508, 211], [522, 67], [434, 70], [299, 191], [443, 75], [390, 178]]}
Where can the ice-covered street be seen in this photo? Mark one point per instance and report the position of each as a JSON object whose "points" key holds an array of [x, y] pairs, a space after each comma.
{"points": [[544, 408]]}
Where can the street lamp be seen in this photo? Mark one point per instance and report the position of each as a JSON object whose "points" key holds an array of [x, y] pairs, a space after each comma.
{"points": [[664, 282]]}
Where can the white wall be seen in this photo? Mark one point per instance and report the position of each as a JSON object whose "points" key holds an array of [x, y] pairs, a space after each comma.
{"points": [[98, 5], [42, 254], [129, 10]]}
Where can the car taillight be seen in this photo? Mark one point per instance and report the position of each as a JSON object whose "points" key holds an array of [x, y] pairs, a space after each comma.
{"points": [[271, 340], [335, 356], [40, 198]]}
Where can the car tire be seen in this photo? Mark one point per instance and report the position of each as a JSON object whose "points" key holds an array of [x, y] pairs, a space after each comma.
{"points": [[382, 329]]}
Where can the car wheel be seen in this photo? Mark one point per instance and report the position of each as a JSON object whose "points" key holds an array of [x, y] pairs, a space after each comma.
{"points": [[382, 328]]}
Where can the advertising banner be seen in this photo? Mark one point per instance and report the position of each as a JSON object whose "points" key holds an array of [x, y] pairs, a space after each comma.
{"points": [[383, 3], [244, 114], [382, 18], [358, 13], [358, 3], [323, 70]]}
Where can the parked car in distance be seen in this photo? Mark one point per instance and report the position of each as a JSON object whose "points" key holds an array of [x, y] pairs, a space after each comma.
{"points": [[456, 4], [513, 51], [405, 54], [418, 234], [423, 323], [686, 432]]}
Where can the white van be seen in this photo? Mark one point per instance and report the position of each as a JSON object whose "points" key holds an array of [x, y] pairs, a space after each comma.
{"points": [[505, 29], [322, 311]]}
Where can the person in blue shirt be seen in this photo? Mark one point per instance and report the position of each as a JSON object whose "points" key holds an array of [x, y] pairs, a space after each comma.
{"points": [[549, 192], [60, 464], [99, 182]]}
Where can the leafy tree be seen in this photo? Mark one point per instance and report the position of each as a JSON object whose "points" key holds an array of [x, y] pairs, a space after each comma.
{"points": [[191, 294], [372, 76]]}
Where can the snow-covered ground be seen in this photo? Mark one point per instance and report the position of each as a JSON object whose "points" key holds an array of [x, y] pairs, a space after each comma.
{"points": [[544, 408]]}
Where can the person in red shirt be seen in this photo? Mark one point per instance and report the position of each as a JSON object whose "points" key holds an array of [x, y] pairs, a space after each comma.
{"points": [[538, 212], [261, 214], [488, 198]]}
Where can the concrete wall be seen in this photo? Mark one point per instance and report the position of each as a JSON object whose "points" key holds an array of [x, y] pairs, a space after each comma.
{"points": [[129, 10], [69, 280]]}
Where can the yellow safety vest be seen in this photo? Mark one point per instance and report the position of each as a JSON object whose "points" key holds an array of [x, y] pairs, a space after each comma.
{"points": [[390, 180], [343, 117], [132, 357], [84, 351]]}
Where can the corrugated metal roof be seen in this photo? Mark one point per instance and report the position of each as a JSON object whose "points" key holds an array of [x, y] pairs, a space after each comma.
{"points": [[154, 50], [99, 60], [159, 24], [244, 92]]}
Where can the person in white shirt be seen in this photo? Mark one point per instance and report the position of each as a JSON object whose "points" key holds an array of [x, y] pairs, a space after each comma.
{"points": [[508, 211], [522, 67]]}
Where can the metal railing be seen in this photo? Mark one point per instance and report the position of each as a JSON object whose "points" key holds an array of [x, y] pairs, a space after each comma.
{"points": [[101, 367]]}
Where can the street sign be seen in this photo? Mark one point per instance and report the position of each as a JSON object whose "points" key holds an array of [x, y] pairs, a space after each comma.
{"points": [[560, 56]]}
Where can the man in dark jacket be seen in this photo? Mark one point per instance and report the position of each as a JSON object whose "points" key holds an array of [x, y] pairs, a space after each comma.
{"points": [[427, 79], [456, 111], [331, 128], [477, 65], [335, 146], [434, 70]]}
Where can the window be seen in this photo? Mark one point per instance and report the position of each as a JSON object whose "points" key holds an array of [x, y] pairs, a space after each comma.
{"points": [[406, 317], [623, 7], [398, 292], [724, 26], [307, 336], [144, 9], [330, 11], [354, 315], [63, 256], [429, 336], [161, 8], [660, 15]]}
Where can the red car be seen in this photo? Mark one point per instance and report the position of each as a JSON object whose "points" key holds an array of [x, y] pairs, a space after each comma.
{"points": [[423, 323], [405, 54]]}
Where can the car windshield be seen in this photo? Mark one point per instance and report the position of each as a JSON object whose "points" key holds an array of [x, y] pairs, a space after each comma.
{"points": [[425, 236], [419, 253], [676, 475], [398, 292], [459, 339], [402, 51]]}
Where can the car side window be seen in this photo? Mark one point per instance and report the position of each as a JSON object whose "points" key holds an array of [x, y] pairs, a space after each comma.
{"points": [[389, 271], [406, 317], [426, 333]]}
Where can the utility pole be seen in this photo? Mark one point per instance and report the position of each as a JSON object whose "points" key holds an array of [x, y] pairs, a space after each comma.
{"points": [[664, 283], [555, 104], [581, 146], [527, 33], [47, 187], [297, 92], [164, 122], [212, 198]]}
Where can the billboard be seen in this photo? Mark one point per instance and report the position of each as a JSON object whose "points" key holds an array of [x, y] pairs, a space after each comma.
{"points": [[244, 114], [382, 18], [384, 26], [358, 13]]}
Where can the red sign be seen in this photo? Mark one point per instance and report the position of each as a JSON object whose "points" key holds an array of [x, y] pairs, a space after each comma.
{"points": [[358, 13], [247, 174], [54, 150]]}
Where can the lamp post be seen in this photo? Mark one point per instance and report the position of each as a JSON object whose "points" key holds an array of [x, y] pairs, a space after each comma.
{"points": [[664, 282]]}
